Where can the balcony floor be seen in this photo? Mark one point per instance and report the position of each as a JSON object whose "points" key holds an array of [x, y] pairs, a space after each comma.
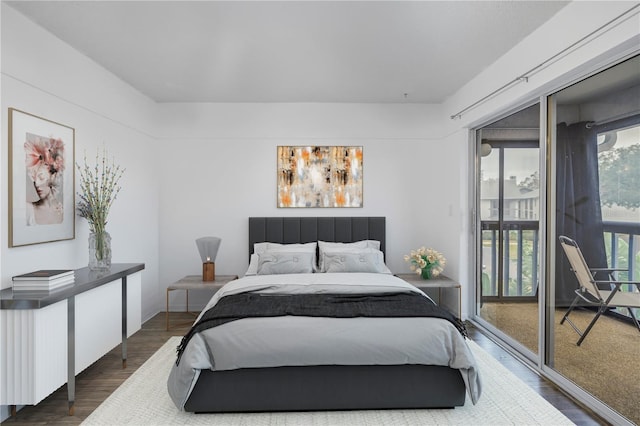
{"points": [[607, 363]]}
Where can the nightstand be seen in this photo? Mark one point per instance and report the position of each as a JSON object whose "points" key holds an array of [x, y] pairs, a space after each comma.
{"points": [[443, 290], [194, 282]]}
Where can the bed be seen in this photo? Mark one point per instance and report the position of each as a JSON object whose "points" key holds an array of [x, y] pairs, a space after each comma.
{"points": [[289, 360]]}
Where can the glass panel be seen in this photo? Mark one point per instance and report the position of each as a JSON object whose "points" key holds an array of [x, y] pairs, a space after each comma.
{"points": [[619, 171], [522, 261], [489, 183], [521, 184], [508, 213], [489, 262], [597, 149], [489, 209]]}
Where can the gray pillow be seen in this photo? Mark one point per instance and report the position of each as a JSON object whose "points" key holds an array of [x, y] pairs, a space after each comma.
{"points": [[285, 262], [325, 246], [259, 248], [354, 261]]}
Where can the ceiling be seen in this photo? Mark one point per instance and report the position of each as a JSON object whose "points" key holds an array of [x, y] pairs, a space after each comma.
{"points": [[292, 51], [620, 78]]}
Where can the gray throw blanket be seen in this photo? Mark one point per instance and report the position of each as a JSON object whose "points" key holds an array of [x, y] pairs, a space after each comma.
{"points": [[252, 305]]}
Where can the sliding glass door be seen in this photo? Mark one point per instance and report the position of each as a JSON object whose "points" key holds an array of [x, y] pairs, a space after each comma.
{"points": [[595, 192], [583, 182]]}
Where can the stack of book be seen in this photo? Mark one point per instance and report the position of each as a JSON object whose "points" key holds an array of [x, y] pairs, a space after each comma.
{"points": [[44, 279]]}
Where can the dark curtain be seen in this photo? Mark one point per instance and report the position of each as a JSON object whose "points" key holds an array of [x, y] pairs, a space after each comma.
{"points": [[578, 212]]}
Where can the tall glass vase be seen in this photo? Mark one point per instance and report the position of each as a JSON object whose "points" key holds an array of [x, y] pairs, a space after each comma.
{"points": [[99, 251]]}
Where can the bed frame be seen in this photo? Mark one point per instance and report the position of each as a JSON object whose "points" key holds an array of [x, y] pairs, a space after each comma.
{"points": [[332, 387]]}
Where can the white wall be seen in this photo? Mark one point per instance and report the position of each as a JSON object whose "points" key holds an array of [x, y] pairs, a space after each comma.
{"points": [[225, 172], [43, 76]]}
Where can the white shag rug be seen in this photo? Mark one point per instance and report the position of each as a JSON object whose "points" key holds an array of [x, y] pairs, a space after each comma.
{"points": [[143, 400]]}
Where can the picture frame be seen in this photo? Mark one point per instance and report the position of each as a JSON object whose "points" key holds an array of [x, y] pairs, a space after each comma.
{"points": [[41, 180], [320, 176]]}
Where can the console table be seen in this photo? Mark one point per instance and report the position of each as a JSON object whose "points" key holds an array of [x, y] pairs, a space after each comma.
{"points": [[49, 337], [443, 290]]}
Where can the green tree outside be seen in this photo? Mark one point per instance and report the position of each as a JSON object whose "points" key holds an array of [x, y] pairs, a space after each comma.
{"points": [[619, 171]]}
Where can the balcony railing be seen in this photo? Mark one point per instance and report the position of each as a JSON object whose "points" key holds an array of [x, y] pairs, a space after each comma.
{"points": [[622, 242], [520, 263]]}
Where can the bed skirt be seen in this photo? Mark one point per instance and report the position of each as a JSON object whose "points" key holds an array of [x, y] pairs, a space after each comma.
{"points": [[327, 387]]}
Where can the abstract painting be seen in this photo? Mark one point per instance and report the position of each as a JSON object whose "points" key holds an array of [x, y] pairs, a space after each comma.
{"points": [[320, 176]]}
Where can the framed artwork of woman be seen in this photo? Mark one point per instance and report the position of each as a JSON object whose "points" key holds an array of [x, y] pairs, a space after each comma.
{"points": [[41, 180]]}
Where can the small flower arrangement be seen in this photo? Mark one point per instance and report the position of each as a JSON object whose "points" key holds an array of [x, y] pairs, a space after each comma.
{"points": [[426, 262]]}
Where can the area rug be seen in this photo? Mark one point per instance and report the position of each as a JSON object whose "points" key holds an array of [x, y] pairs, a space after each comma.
{"points": [[506, 400]]}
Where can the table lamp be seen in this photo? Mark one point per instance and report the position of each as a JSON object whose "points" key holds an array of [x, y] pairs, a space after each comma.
{"points": [[208, 248]]}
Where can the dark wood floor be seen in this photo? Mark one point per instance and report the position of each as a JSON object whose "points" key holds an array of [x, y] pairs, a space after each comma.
{"points": [[98, 381]]}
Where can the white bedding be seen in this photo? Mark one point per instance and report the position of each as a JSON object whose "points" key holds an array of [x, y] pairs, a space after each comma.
{"points": [[300, 341]]}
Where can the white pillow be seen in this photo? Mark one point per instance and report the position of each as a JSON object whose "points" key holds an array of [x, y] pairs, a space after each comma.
{"points": [[253, 265], [259, 248], [363, 244], [355, 260], [285, 262]]}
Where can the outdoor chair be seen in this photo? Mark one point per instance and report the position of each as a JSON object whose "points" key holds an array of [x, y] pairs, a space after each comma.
{"points": [[589, 292]]}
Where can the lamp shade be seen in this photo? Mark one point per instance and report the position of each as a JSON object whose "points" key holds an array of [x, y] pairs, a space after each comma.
{"points": [[485, 149], [208, 248]]}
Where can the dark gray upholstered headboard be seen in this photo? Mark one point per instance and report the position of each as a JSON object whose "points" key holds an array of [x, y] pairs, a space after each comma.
{"points": [[287, 230]]}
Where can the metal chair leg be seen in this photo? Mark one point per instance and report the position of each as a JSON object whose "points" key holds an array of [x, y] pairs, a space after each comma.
{"points": [[590, 326], [573, 305], [635, 320]]}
